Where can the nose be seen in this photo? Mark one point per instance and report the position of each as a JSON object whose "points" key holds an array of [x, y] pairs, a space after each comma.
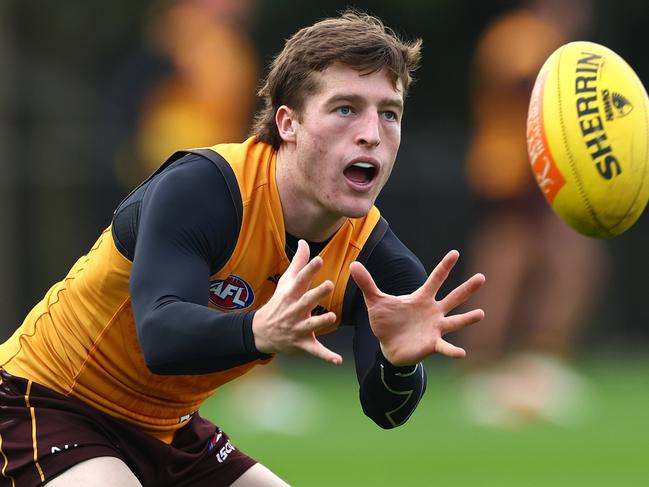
{"points": [[369, 131]]}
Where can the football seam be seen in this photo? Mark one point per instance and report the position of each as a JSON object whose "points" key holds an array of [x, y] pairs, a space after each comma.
{"points": [[573, 167], [646, 118], [644, 170]]}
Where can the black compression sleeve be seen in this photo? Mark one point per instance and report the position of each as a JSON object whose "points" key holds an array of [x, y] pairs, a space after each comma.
{"points": [[388, 394], [187, 223]]}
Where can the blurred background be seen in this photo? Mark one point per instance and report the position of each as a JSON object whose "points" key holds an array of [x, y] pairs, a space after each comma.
{"points": [[94, 95]]}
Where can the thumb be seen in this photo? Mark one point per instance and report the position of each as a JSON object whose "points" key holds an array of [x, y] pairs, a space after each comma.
{"points": [[363, 279]]}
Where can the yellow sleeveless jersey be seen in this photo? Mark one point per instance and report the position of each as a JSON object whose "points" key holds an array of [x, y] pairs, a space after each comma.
{"points": [[81, 341]]}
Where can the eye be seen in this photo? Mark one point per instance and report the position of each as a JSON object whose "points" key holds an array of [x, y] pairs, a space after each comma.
{"points": [[344, 111], [390, 116]]}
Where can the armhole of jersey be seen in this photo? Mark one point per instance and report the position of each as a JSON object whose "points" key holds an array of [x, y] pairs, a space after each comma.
{"points": [[235, 194], [378, 232], [118, 243], [173, 158], [230, 179]]}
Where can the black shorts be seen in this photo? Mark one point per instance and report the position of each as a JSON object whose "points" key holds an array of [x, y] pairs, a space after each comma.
{"points": [[42, 434]]}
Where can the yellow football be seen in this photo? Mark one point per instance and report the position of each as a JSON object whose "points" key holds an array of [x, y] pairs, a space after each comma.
{"points": [[588, 139]]}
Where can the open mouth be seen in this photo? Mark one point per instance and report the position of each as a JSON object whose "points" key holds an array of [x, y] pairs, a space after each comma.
{"points": [[361, 172]]}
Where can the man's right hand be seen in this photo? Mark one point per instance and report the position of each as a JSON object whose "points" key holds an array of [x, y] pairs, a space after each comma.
{"points": [[285, 324]]}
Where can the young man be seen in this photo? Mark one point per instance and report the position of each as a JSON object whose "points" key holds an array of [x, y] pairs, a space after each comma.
{"points": [[206, 272]]}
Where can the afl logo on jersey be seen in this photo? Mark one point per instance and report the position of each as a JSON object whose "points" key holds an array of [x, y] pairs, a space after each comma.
{"points": [[231, 293]]}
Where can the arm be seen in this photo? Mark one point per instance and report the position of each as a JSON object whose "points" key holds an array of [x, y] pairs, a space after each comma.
{"points": [[187, 227], [388, 394]]}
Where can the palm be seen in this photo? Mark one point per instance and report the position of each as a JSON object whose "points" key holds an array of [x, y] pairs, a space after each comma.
{"points": [[285, 324], [411, 327]]}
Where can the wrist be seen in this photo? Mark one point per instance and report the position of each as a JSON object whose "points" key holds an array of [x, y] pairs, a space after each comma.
{"points": [[394, 369], [252, 338]]}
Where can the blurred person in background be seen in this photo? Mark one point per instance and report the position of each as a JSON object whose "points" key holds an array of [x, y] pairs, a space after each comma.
{"points": [[205, 91], [544, 277], [206, 272]]}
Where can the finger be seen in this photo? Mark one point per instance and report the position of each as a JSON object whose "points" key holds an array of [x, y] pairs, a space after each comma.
{"points": [[364, 281], [461, 293], [317, 349], [299, 260], [448, 349], [310, 299], [440, 273], [317, 323], [305, 275], [457, 322]]}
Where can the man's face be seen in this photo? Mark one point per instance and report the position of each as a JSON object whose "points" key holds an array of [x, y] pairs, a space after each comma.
{"points": [[347, 140]]}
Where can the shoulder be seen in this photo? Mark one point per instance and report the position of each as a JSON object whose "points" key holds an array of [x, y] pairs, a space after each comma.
{"points": [[194, 187], [194, 172], [393, 264], [395, 269], [189, 204]]}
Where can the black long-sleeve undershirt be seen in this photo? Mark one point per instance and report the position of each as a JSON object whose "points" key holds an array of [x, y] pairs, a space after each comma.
{"points": [[178, 229]]}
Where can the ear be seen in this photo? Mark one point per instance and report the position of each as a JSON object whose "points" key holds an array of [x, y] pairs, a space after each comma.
{"points": [[286, 120]]}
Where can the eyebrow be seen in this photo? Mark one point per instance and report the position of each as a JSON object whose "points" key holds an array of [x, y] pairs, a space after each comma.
{"points": [[389, 102]]}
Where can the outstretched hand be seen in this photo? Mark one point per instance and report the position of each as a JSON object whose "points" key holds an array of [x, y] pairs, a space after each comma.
{"points": [[285, 324], [411, 327]]}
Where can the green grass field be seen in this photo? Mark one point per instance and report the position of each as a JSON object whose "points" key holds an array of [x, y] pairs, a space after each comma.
{"points": [[439, 446]]}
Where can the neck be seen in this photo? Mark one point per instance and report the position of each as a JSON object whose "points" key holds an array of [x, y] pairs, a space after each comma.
{"points": [[304, 217]]}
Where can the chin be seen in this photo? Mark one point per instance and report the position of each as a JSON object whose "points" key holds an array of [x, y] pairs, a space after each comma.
{"points": [[356, 211]]}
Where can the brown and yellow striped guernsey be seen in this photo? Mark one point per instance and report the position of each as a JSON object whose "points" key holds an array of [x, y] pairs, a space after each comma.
{"points": [[80, 339]]}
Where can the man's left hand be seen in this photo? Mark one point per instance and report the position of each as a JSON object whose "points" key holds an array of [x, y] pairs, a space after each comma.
{"points": [[411, 327]]}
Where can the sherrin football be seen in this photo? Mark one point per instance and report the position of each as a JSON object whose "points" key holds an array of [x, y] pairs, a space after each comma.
{"points": [[588, 139]]}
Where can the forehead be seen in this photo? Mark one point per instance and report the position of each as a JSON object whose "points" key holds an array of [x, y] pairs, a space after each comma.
{"points": [[340, 78]]}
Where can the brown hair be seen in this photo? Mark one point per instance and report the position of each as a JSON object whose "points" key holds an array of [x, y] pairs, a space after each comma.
{"points": [[355, 39]]}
